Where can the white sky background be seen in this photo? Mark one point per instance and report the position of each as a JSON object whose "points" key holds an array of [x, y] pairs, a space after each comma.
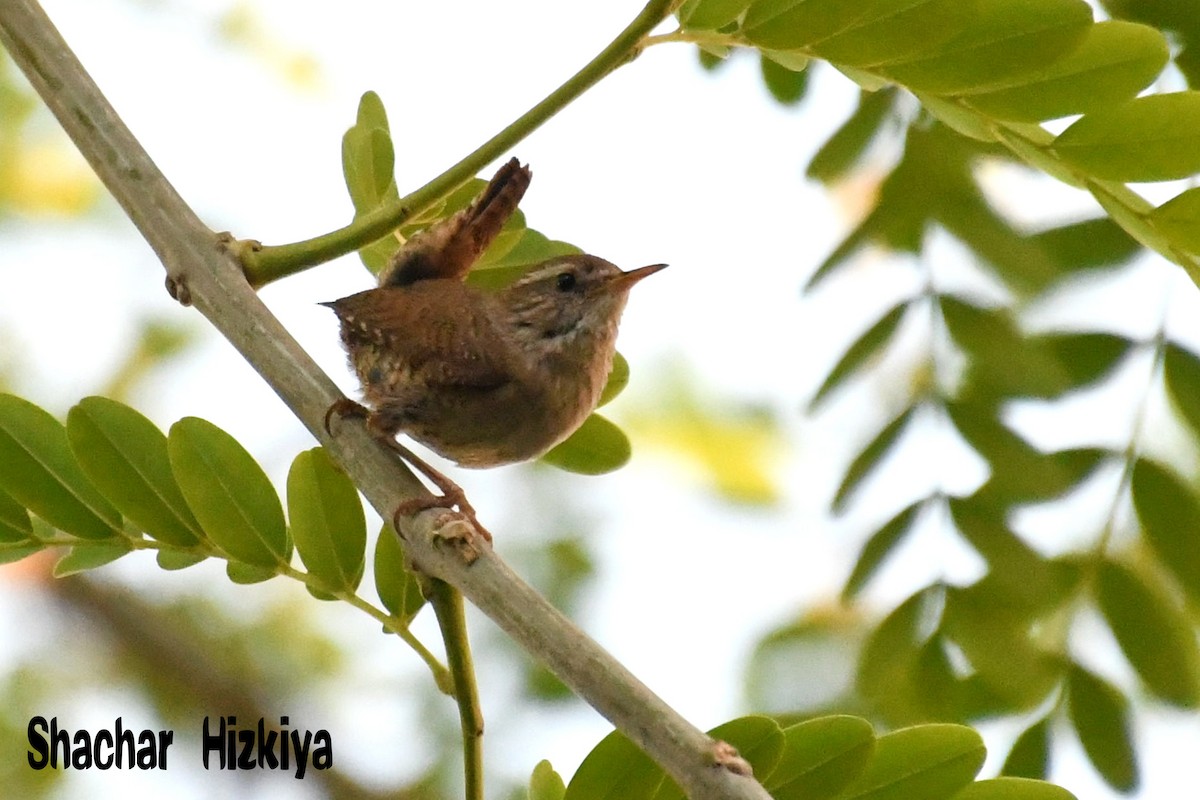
{"points": [[660, 162]]}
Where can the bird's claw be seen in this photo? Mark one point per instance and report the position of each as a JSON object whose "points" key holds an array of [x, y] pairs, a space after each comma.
{"points": [[344, 407]]}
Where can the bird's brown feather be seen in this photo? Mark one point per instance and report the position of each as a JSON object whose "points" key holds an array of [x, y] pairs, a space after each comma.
{"points": [[449, 248], [435, 335]]}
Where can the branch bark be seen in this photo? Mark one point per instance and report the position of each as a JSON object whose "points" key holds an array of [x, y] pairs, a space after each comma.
{"points": [[201, 272]]}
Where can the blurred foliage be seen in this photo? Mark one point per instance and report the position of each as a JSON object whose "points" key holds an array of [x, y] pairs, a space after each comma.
{"points": [[734, 450], [1000, 644], [242, 27], [158, 342], [40, 172]]}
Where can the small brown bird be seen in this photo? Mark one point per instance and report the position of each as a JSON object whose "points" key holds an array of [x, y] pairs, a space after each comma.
{"points": [[481, 378]]}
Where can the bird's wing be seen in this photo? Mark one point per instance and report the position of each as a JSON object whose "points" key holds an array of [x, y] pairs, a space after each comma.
{"points": [[437, 332], [449, 248]]}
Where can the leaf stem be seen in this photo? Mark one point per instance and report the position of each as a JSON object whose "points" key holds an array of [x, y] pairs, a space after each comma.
{"points": [[452, 619], [265, 263], [441, 676]]}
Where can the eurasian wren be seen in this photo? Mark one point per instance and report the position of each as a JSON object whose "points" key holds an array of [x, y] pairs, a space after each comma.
{"points": [[481, 378]]}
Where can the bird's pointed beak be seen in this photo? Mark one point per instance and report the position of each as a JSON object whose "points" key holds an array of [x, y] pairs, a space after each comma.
{"points": [[627, 279]]}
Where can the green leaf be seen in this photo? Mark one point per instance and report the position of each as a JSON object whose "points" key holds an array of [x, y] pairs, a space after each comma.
{"points": [[125, 456], [913, 32], [1187, 61], [1030, 754], [1181, 16], [368, 164], [1179, 219], [398, 588], [845, 147], [959, 206], [871, 342], [1005, 39], [791, 60], [866, 80], [786, 85], [1085, 357], [14, 520], [1088, 244], [371, 113], [856, 34], [39, 471], [825, 636], [867, 460], [877, 549], [1013, 789], [89, 556], [927, 761], [1100, 714], [615, 769], [711, 56], [999, 647], [245, 574], [1181, 368], [229, 493], [1067, 468], [1153, 633], [970, 218], [870, 229], [1152, 138], [618, 379], [174, 559], [545, 783], [708, 15], [1020, 472], [759, 740], [1170, 517], [368, 158], [1003, 361], [328, 524], [597, 447], [888, 663], [15, 551], [821, 757], [1019, 579], [1114, 62]]}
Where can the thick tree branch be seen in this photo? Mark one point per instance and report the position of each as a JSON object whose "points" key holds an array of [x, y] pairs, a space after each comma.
{"points": [[202, 272]]}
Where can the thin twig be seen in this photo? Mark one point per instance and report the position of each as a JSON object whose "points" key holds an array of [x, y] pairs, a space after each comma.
{"points": [[264, 264], [452, 618], [201, 271]]}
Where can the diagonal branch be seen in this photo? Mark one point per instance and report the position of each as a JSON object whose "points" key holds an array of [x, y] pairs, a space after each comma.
{"points": [[200, 271]]}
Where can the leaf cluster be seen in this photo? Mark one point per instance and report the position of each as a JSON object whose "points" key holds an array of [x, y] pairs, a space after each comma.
{"points": [[986, 74], [993, 70], [818, 759], [109, 482]]}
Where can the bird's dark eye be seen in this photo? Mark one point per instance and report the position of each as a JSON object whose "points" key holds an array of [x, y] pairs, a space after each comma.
{"points": [[565, 281]]}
